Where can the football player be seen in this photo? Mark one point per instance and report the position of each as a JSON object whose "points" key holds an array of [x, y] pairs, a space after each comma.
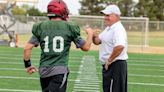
{"points": [[54, 37]]}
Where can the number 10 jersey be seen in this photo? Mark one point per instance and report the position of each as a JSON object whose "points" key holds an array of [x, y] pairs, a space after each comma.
{"points": [[55, 39]]}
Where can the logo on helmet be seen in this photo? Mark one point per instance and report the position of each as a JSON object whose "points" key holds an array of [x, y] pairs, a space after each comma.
{"points": [[58, 8]]}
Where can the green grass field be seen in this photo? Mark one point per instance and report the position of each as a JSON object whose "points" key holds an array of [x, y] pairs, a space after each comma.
{"points": [[155, 38], [145, 71]]}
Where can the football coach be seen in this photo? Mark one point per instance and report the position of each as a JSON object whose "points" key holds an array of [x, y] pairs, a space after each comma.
{"points": [[113, 51]]}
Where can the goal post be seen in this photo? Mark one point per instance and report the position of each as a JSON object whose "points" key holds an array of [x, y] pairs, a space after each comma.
{"points": [[137, 28]]}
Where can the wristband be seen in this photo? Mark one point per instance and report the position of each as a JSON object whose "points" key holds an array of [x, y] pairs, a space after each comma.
{"points": [[27, 63]]}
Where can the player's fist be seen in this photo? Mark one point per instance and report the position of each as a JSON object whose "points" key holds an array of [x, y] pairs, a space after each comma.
{"points": [[31, 70], [88, 30]]}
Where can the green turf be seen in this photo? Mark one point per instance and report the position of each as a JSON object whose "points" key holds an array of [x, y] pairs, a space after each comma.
{"points": [[155, 38], [145, 71]]}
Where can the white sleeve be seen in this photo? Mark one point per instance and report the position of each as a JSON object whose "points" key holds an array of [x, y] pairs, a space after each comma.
{"points": [[100, 36]]}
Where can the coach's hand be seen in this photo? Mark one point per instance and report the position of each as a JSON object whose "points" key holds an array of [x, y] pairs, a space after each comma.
{"points": [[31, 70], [96, 32], [88, 30], [107, 63]]}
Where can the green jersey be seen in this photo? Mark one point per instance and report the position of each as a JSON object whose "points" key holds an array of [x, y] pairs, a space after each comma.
{"points": [[55, 39]]}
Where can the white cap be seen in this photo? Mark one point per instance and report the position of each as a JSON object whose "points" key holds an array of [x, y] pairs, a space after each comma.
{"points": [[111, 9]]}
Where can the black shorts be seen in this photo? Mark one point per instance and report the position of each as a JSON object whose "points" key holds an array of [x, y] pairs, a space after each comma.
{"points": [[115, 78], [54, 83]]}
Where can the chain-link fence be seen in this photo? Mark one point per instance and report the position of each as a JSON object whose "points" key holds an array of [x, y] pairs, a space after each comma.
{"points": [[141, 32]]}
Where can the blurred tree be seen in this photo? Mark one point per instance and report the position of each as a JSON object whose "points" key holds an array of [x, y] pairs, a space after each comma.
{"points": [[27, 10], [18, 11], [159, 9], [26, 7], [92, 7], [34, 12], [126, 7], [153, 9], [30, 10]]}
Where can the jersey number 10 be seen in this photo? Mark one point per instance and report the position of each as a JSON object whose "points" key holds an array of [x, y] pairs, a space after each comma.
{"points": [[55, 39]]}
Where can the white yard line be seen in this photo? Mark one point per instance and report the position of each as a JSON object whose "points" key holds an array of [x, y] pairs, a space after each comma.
{"points": [[150, 76], [16, 63], [95, 84], [140, 69], [145, 84], [14, 77], [88, 73], [87, 79], [14, 58], [19, 53], [146, 62], [83, 90], [150, 65], [88, 82], [12, 69], [32, 58], [18, 90], [3, 54]]}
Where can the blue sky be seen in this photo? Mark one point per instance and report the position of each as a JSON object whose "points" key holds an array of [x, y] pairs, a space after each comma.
{"points": [[73, 5]]}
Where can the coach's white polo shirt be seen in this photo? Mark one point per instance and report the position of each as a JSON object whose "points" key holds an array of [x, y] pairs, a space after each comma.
{"points": [[111, 37]]}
